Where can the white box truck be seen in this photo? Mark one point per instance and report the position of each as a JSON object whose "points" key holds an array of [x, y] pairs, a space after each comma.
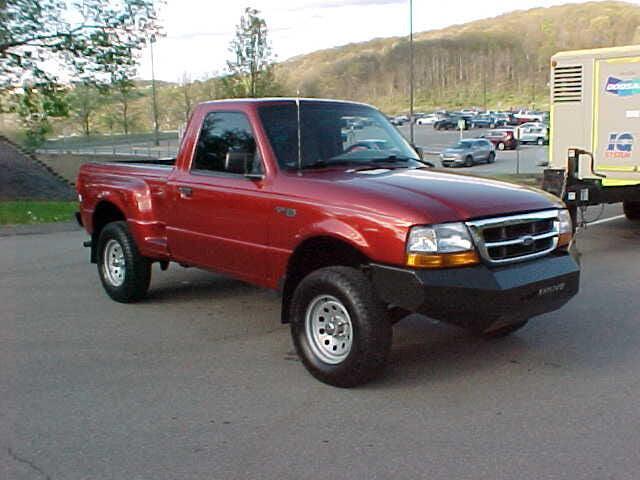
{"points": [[594, 152]]}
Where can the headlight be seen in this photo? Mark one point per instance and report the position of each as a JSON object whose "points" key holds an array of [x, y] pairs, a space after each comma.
{"points": [[441, 246], [565, 228]]}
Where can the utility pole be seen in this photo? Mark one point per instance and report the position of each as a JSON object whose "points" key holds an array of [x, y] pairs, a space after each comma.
{"points": [[411, 123], [156, 137]]}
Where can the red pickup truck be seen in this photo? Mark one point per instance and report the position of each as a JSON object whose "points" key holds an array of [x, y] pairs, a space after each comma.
{"points": [[327, 202]]}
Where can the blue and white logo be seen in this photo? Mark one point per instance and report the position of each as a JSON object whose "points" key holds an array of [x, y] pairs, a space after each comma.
{"points": [[620, 145], [623, 88]]}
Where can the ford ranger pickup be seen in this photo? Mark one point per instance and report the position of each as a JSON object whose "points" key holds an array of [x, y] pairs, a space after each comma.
{"points": [[350, 224]]}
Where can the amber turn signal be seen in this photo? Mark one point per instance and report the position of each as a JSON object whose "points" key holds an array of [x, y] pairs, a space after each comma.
{"points": [[443, 260], [564, 239]]}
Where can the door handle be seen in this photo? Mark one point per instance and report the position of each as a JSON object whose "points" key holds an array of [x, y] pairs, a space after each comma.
{"points": [[185, 192]]}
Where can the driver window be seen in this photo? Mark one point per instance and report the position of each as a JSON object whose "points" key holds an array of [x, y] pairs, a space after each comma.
{"points": [[222, 134]]}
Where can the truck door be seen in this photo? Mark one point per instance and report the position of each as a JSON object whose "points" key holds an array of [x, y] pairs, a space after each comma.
{"points": [[220, 217], [616, 122]]}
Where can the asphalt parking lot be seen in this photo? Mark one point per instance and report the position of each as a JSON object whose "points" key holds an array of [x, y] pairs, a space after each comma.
{"points": [[200, 382], [528, 156]]}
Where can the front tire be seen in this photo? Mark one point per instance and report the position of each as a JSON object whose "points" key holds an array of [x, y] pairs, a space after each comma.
{"points": [[632, 210], [339, 327], [125, 274]]}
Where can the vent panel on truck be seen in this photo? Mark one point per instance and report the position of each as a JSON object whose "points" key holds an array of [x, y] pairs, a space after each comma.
{"points": [[567, 84]]}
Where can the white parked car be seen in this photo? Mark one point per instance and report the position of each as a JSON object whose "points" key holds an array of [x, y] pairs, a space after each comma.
{"points": [[429, 119], [532, 132]]}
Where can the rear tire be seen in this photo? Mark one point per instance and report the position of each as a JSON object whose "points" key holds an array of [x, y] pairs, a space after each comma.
{"points": [[540, 141], [125, 274], [491, 158], [501, 146], [632, 210], [339, 327]]}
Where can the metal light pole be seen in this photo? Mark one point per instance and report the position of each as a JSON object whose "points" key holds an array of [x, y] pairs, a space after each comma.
{"points": [[156, 137], [411, 133]]}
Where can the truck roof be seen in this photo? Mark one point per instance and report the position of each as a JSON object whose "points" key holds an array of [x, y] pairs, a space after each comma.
{"points": [[612, 52], [283, 99]]}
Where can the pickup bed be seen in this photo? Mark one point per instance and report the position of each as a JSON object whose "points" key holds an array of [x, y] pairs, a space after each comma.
{"points": [[349, 224]]}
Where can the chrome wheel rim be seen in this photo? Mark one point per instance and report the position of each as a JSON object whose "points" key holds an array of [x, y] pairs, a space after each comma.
{"points": [[113, 263], [329, 329]]}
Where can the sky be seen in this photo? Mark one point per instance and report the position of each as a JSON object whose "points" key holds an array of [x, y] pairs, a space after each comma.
{"points": [[198, 32]]}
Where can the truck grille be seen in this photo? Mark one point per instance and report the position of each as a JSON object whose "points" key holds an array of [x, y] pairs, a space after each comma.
{"points": [[515, 238], [567, 84]]}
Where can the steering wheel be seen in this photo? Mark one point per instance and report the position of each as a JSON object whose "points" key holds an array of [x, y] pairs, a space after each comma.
{"points": [[358, 147]]}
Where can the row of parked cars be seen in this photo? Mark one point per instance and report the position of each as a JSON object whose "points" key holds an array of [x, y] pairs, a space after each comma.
{"points": [[471, 118], [469, 151]]}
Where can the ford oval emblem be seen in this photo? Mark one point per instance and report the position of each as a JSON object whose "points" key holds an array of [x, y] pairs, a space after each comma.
{"points": [[528, 241]]}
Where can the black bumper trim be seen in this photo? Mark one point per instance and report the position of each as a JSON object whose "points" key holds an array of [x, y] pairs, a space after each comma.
{"points": [[479, 296]]}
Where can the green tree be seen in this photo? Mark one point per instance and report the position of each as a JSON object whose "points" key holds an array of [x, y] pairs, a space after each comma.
{"points": [[42, 40], [36, 37], [31, 108], [251, 70], [84, 101], [123, 92]]}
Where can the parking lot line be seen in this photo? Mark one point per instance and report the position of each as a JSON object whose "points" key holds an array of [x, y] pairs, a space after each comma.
{"points": [[604, 220]]}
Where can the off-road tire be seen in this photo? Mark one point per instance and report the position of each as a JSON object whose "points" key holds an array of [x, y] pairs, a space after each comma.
{"points": [[632, 210], [137, 268], [371, 329]]}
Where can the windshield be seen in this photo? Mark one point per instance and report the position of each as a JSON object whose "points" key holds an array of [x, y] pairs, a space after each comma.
{"points": [[333, 133], [463, 145]]}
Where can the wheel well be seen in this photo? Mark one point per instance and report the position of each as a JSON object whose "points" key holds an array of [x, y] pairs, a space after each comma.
{"points": [[105, 212], [313, 254]]}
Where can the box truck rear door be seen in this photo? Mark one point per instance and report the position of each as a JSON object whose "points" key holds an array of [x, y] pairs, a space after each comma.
{"points": [[616, 127]]}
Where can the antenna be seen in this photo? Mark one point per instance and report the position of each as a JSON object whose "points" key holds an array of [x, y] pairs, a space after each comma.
{"points": [[299, 133]]}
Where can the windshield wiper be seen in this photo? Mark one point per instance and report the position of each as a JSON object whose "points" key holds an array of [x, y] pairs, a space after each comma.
{"points": [[325, 163], [392, 159]]}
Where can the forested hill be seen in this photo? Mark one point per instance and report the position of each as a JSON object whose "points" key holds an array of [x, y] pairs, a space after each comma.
{"points": [[503, 61]]}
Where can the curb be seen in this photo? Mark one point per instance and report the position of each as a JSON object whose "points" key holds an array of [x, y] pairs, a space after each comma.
{"points": [[38, 228]]}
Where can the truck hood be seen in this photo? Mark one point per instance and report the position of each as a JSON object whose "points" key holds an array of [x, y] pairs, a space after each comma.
{"points": [[434, 196]]}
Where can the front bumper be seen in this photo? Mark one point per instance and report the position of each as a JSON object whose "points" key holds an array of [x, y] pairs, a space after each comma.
{"points": [[451, 161], [480, 297]]}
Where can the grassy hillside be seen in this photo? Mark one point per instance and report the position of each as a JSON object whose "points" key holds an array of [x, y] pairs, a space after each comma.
{"points": [[502, 61]]}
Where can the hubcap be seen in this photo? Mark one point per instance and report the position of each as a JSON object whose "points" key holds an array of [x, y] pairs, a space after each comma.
{"points": [[328, 328], [113, 263]]}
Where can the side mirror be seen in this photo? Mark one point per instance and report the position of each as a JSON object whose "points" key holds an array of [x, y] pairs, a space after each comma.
{"points": [[241, 163]]}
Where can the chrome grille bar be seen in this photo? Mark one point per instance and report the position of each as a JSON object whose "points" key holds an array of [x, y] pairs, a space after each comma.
{"points": [[478, 227]]}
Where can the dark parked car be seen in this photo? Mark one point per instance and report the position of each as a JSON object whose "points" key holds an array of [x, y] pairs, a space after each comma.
{"points": [[468, 152], [488, 121], [503, 139], [450, 123]]}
